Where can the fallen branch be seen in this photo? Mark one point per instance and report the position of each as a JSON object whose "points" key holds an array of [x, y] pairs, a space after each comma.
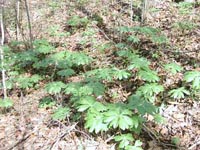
{"points": [[20, 141]]}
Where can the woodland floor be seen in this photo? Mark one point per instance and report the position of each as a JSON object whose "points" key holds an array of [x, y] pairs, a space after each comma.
{"points": [[28, 127]]}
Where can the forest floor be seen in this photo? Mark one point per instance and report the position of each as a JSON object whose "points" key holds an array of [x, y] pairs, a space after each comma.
{"points": [[29, 127]]}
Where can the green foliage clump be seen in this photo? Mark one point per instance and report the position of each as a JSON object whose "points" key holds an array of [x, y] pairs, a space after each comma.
{"points": [[125, 141], [148, 75], [55, 31], [184, 26], [152, 33], [26, 82], [173, 68], [89, 100], [76, 22], [42, 47], [109, 74], [55, 87], [194, 78], [47, 102], [137, 102], [86, 97], [119, 116], [185, 8], [6, 103], [179, 93], [97, 87], [149, 91], [61, 113], [141, 65], [66, 72]]}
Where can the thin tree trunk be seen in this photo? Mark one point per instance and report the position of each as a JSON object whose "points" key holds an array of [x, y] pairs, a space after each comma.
{"points": [[131, 11], [29, 24], [1, 51], [17, 19], [145, 7]]}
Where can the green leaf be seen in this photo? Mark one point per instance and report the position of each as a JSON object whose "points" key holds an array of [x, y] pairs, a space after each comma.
{"points": [[62, 55], [185, 7], [77, 21], [55, 87], [118, 116], [102, 73], [129, 147], [175, 140], [9, 84], [35, 78], [61, 113], [73, 88], [42, 46], [121, 74], [24, 82], [80, 59], [86, 103], [191, 75], [173, 68], [138, 62], [94, 122], [142, 105], [135, 120], [179, 93], [85, 90], [27, 82], [66, 72], [25, 56], [44, 49], [159, 119], [146, 30], [6, 103], [150, 90], [44, 63], [194, 77], [148, 75], [159, 39], [124, 139], [137, 146], [98, 88], [124, 29], [184, 25], [108, 74], [47, 102], [138, 143], [133, 39], [125, 122], [99, 107], [125, 53]]}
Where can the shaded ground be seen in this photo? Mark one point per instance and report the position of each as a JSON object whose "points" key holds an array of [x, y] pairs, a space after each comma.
{"points": [[29, 127]]}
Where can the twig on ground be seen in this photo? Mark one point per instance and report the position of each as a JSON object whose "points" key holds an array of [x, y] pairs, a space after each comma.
{"points": [[194, 145], [155, 138], [76, 130], [62, 136], [109, 139]]}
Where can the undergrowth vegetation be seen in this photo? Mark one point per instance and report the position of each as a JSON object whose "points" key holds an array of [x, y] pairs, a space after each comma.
{"points": [[88, 99]]}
